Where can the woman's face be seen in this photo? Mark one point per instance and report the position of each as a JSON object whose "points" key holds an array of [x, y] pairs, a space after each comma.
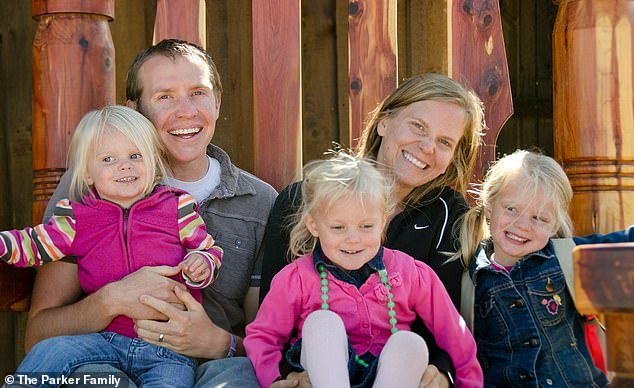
{"points": [[419, 142]]}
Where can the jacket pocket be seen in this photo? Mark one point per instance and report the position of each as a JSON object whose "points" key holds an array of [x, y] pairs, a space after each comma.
{"points": [[489, 324], [238, 260], [549, 298]]}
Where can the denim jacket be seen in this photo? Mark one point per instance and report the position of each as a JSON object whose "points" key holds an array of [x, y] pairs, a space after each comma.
{"points": [[526, 327]]}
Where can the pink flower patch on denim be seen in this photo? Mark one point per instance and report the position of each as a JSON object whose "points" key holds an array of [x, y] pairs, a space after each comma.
{"points": [[551, 306]]}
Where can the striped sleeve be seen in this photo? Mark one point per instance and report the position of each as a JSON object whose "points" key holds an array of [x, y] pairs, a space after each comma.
{"points": [[36, 246], [194, 237]]}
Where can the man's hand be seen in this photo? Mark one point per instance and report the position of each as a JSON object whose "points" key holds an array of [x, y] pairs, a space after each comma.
{"points": [[122, 297], [188, 332], [57, 306]]}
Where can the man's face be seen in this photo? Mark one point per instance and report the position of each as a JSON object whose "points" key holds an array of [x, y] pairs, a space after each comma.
{"points": [[179, 99]]}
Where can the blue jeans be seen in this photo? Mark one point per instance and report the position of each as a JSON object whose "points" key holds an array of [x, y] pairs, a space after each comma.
{"points": [[235, 372], [146, 364]]}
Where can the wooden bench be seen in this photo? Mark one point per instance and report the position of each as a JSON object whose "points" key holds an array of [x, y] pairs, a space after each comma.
{"points": [[15, 288], [604, 283]]}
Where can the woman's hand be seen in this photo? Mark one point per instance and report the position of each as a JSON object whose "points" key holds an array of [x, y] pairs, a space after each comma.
{"points": [[432, 378], [294, 379]]}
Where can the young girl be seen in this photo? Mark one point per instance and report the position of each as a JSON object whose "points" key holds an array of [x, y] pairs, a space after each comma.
{"points": [[117, 220], [526, 327], [347, 304]]}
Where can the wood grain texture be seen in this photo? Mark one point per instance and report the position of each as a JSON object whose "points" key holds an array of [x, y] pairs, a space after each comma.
{"points": [[529, 56], [277, 94], [102, 7], [373, 57], [594, 94], [478, 60], [17, 30], [16, 287], [16, 174], [73, 73], [604, 278], [604, 282], [343, 74], [423, 46], [594, 141], [229, 37], [182, 19], [319, 93], [131, 32]]}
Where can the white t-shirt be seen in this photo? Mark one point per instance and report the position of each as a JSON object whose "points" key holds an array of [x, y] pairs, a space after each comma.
{"points": [[202, 188]]}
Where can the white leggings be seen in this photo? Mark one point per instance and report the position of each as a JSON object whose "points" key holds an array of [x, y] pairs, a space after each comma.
{"points": [[324, 354]]}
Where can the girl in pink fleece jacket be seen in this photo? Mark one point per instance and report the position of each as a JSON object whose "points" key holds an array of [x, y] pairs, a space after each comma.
{"points": [[117, 220], [347, 304]]}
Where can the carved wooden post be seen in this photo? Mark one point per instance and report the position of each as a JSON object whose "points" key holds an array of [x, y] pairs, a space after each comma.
{"points": [[594, 128], [478, 61], [372, 60], [73, 73], [182, 19], [277, 92]]}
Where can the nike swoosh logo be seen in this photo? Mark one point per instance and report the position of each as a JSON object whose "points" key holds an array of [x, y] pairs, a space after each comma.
{"points": [[420, 227]]}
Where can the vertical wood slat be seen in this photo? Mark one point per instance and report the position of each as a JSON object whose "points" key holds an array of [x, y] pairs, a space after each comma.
{"points": [[422, 38], [478, 60], [320, 93], [277, 93], [182, 19], [372, 60], [229, 38], [131, 32]]}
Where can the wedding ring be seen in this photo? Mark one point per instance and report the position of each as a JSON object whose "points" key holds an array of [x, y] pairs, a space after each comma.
{"points": [[161, 337]]}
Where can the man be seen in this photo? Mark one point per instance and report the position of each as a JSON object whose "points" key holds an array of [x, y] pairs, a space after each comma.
{"points": [[176, 85]]}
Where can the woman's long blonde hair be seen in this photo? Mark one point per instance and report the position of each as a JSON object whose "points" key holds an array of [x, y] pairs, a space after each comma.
{"points": [[537, 173]]}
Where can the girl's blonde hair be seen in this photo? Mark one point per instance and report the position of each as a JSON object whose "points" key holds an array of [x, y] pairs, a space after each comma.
{"points": [[433, 87], [327, 181], [89, 134], [536, 173]]}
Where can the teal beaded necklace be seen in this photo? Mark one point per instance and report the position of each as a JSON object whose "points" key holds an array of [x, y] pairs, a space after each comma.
{"points": [[390, 303]]}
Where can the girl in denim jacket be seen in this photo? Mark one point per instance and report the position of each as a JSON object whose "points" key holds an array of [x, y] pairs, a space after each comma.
{"points": [[347, 304], [527, 329]]}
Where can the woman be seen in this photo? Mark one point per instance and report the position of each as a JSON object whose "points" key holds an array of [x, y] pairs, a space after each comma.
{"points": [[426, 135]]}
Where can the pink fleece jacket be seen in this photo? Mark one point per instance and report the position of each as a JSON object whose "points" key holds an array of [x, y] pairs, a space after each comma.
{"points": [[295, 293]]}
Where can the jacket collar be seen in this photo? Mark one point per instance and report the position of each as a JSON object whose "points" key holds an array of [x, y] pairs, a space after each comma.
{"points": [[158, 194], [482, 261], [232, 182]]}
